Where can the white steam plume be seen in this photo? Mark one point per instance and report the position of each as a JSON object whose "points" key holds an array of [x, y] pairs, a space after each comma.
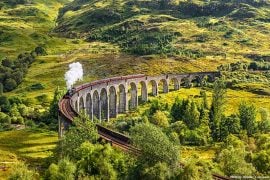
{"points": [[74, 74]]}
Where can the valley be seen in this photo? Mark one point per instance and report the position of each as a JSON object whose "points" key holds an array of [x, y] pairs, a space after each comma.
{"points": [[39, 39]]}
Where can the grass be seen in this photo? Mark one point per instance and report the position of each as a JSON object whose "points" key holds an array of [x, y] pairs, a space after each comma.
{"points": [[234, 98], [203, 153], [247, 35], [31, 146]]}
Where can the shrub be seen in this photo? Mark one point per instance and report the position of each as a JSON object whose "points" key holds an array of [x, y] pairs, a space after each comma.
{"points": [[30, 123], [160, 119], [10, 84], [40, 51], [65, 169], [21, 172], [4, 118]]}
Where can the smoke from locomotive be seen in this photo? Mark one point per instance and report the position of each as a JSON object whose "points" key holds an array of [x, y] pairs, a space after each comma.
{"points": [[74, 74]]}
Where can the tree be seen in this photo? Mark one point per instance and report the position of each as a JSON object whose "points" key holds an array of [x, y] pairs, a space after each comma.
{"points": [[191, 114], [261, 161], [233, 141], [156, 105], [17, 76], [40, 51], [229, 125], [4, 118], [181, 129], [102, 162], [160, 119], [176, 110], [232, 162], [195, 169], [154, 144], [247, 115], [4, 104], [264, 124], [54, 104], [205, 104], [7, 62], [83, 130], [159, 171], [1, 89], [217, 108], [64, 170], [10, 84]]}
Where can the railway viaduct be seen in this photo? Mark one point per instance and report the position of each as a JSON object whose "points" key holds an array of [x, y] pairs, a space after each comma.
{"points": [[105, 99]]}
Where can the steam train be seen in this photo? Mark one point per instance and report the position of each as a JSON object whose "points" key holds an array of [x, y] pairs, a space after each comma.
{"points": [[74, 90]]}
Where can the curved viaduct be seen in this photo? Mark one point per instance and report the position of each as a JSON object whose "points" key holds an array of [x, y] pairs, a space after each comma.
{"points": [[106, 98]]}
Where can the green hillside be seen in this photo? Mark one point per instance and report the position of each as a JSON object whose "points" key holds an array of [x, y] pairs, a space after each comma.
{"points": [[181, 30], [126, 37]]}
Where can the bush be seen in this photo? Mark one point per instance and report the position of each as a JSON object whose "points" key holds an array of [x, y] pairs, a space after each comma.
{"points": [[65, 169], [42, 125], [42, 98], [13, 71], [4, 104], [21, 172], [10, 84], [160, 119], [261, 161], [4, 118], [29, 123], [40, 51]]}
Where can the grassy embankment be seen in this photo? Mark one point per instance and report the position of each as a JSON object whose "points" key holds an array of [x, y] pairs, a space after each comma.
{"points": [[30, 146]]}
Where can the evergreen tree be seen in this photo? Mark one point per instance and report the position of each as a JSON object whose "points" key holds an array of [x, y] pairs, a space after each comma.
{"points": [[229, 125], [264, 124], [1, 89], [176, 110], [54, 104], [191, 115], [217, 108], [205, 104], [247, 115]]}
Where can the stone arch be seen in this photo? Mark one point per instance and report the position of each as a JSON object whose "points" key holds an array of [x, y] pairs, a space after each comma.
{"points": [[174, 84], [209, 78], [89, 105], [185, 82], [76, 106], [163, 86], [143, 93], [96, 110], [104, 104], [81, 104], [154, 87], [196, 81], [112, 102], [122, 99], [133, 103]]}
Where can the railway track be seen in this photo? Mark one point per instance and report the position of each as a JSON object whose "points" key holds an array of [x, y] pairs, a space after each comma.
{"points": [[116, 139]]}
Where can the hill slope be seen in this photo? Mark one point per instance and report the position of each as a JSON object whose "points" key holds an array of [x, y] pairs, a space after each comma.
{"points": [[182, 30], [173, 37]]}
